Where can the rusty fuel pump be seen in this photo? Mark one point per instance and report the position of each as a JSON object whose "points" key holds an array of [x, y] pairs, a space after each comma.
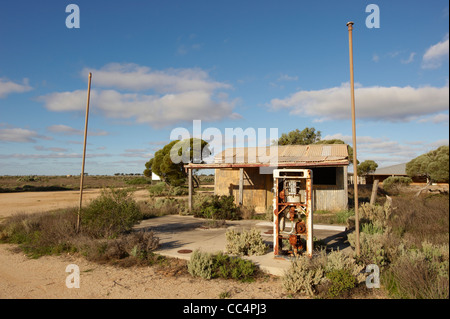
{"points": [[293, 213]]}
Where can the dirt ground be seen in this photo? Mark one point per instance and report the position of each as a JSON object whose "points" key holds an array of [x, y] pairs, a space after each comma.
{"points": [[25, 278], [34, 202]]}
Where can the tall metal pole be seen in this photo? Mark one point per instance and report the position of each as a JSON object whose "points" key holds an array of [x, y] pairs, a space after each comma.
{"points": [[84, 152], [355, 162]]}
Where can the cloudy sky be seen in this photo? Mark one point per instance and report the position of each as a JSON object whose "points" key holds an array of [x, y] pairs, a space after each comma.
{"points": [[159, 65]]}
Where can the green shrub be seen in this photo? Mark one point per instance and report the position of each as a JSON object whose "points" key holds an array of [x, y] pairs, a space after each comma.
{"points": [[247, 243], [373, 248], [419, 273], [201, 264], [209, 266], [304, 276], [217, 207], [158, 189], [341, 280], [110, 214], [395, 183], [342, 216], [178, 191], [338, 260], [138, 181]]}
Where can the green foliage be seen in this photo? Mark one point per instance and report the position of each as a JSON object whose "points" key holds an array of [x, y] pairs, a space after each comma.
{"points": [[338, 261], [303, 276], [341, 281], [110, 214], [433, 165], [209, 266], [157, 189], [217, 207], [247, 243], [366, 167], [419, 273], [162, 189], [393, 183], [168, 163], [138, 181], [373, 248], [297, 137]]}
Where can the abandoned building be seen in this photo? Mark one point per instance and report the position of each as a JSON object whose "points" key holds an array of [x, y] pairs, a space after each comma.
{"points": [[248, 176], [398, 170]]}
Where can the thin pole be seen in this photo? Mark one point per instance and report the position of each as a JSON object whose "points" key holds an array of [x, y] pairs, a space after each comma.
{"points": [[84, 152], [355, 162]]}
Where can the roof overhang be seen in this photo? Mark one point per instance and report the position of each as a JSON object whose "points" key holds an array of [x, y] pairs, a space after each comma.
{"points": [[282, 164]]}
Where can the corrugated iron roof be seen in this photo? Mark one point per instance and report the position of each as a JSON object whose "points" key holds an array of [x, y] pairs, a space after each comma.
{"points": [[284, 154], [399, 169]]}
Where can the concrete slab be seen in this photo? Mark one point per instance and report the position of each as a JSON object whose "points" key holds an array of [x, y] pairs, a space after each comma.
{"points": [[181, 235]]}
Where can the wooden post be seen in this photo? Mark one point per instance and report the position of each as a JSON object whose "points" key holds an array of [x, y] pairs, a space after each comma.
{"points": [[190, 189], [84, 152], [355, 161], [373, 196], [241, 186]]}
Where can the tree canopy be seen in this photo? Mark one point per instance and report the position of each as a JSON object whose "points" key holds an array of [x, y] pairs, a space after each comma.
{"points": [[366, 167], [297, 137], [432, 165], [307, 137], [168, 162]]}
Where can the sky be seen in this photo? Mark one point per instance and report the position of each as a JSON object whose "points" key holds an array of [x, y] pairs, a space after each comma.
{"points": [[158, 66]]}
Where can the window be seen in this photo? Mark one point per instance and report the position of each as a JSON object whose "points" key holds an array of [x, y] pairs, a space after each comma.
{"points": [[324, 176]]}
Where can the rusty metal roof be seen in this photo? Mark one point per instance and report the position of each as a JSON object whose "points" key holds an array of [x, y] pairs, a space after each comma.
{"points": [[316, 153]]}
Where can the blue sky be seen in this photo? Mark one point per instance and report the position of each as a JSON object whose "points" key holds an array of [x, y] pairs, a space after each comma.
{"points": [[159, 65]]}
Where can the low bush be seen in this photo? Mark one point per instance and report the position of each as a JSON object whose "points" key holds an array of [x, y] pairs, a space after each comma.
{"points": [[138, 181], [304, 276], [209, 266], [163, 206], [246, 243], [162, 189], [110, 214], [341, 280], [217, 207], [394, 184], [158, 189], [419, 273]]}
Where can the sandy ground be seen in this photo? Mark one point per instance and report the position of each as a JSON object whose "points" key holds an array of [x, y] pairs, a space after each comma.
{"points": [[45, 278], [33, 202], [22, 277]]}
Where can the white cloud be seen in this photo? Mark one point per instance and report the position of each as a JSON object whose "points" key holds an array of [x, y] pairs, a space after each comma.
{"points": [[385, 151], [285, 77], [8, 87], [436, 54], [173, 96], [64, 129], [134, 77], [51, 149], [436, 119], [67, 130], [19, 135], [394, 104], [410, 58]]}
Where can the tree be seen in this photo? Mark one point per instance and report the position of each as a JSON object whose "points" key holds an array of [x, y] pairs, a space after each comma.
{"points": [[432, 165], [297, 137], [366, 167], [168, 163], [310, 136]]}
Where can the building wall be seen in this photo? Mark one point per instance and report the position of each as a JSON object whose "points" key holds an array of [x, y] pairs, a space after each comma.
{"points": [[258, 189]]}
